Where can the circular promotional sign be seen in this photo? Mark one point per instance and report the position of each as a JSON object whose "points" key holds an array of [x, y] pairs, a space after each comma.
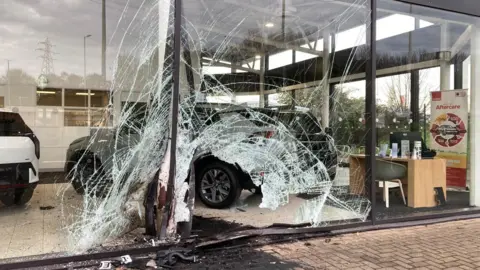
{"points": [[448, 130]]}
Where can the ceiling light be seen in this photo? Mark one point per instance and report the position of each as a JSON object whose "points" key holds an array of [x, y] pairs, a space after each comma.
{"points": [[269, 25], [258, 56], [45, 92], [84, 94]]}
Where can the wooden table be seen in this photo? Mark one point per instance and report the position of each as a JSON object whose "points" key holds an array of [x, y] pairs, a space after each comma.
{"points": [[422, 177]]}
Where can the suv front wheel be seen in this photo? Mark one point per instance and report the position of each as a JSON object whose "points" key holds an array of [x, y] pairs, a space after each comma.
{"points": [[217, 185]]}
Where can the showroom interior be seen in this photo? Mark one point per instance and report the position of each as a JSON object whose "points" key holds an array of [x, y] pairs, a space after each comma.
{"points": [[368, 71]]}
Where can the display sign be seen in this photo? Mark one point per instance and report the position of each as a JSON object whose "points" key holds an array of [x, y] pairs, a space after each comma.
{"points": [[448, 133]]}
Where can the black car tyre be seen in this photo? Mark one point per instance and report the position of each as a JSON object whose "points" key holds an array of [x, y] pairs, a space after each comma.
{"points": [[23, 195], [78, 186], [87, 175], [8, 199], [217, 185]]}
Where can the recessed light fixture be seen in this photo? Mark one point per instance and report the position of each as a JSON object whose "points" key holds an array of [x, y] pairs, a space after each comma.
{"points": [[45, 92], [269, 25], [258, 56]]}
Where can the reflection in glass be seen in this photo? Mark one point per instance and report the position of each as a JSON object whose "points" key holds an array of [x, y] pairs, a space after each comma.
{"points": [[49, 97], [99, 118], [99, 98], [76, 118], [76, 98], [289, 69]]}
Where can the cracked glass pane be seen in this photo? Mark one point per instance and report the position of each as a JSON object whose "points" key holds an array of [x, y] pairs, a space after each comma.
{"points": [[233, 56], [271, 126], [270, 113], [287, 122]]}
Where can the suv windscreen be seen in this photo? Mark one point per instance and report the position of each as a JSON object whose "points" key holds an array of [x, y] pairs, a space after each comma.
{"points": [[12, 124], [300, 122]]}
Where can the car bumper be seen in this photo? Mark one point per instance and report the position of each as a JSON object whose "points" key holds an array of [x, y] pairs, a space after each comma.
{"points": [[18, 175]]}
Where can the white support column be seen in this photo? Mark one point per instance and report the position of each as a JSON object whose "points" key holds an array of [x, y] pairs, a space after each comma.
{"points": [[475, 118], [325, 114], [444, 65], [262, 81], [163, 22], [196, 68], [184, 85]]}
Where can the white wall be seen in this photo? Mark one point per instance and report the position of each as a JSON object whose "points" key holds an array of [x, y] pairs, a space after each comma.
{"points": [[48, 123]]}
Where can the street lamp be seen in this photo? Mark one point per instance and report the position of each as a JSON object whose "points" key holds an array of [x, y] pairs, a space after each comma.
{"points": [[85, 60]]}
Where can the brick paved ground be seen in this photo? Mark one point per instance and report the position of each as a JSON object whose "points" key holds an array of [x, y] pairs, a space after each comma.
{"points": [[453, 245]]}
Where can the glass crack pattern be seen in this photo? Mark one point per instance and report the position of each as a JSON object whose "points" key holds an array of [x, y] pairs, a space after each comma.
{"points": [[280, 153]]}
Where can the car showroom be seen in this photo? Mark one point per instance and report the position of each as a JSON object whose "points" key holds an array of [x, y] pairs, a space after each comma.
{"points": [[121, 118]]}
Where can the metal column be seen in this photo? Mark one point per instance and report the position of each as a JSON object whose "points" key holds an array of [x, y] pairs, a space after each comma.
{"points": [[458, 74], [104, 41], [475, 118], [445, 63], [414, 86], [370, 108], [262, 81], [172, 149], [326, 75]]}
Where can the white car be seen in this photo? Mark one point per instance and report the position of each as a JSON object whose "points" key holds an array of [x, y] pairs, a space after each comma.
{"points": [[19, 160]]}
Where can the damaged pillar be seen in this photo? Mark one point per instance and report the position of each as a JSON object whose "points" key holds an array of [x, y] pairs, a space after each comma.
{"points": [[164, 176]]}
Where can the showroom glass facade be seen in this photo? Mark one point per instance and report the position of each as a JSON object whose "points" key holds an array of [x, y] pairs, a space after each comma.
{"points": [[291, 100]]}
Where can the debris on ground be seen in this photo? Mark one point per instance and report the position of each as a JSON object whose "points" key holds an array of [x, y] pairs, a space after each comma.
{"points": [[168, 258], [164, 259], [210, 226], [47, 207]]}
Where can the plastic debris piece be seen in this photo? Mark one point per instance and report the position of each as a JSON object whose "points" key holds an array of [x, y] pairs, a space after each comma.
{"points": [[126, 259], [105, 265], [169, 258], [152, 263]]}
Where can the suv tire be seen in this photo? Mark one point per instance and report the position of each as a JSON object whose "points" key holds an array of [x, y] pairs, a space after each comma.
{"points": [[88, 168], [224, 182], [23, 195], [8, 199]]}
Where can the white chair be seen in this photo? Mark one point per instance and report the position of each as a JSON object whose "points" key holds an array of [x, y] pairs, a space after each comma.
{"points": [[343, 160], [388, 175]]}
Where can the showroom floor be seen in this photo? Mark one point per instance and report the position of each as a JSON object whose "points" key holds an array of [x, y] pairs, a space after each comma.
{"points": [[37, 227]]}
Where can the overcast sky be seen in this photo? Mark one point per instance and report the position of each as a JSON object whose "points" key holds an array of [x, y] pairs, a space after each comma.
{"points": [[25, 23]]}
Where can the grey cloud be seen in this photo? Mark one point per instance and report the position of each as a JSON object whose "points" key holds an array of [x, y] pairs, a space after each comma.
{"points": [[25, 23]]}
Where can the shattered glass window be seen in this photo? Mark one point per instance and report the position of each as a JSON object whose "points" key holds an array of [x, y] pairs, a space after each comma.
{"points": [[300, 122]]}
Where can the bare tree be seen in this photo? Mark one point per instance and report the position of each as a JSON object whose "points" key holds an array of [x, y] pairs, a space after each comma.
{"points": [[398, 91]]}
